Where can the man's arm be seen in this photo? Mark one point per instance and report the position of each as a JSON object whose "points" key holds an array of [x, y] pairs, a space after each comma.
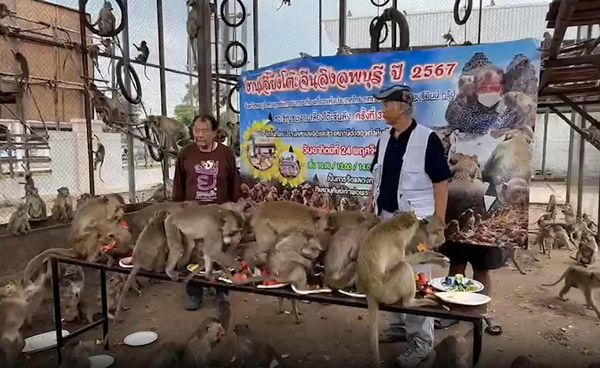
{"points": [[233, 179], [179, 180], [370, 204], [438, 170]]}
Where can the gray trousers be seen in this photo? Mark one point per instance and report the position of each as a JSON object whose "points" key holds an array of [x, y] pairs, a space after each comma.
{"points": [[410, 324]]}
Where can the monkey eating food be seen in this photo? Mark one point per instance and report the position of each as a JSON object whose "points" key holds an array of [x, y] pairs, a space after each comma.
{"points": [[18, 223], [254, 353], [580, 278], [62, 210], [384, 274]]}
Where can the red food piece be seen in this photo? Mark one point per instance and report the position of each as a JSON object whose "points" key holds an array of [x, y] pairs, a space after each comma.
{"points": [[239, 277], [422, 279]]}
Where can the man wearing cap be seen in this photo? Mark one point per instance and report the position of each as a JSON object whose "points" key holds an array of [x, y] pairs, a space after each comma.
{"points": [[410, 173]]}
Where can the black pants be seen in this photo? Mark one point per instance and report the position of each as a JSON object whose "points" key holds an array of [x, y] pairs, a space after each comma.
{"points": [[193, 289]]}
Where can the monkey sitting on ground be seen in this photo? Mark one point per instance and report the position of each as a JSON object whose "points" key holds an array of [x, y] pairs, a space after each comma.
{"points": [[18, 223], [384, 275], [454, 352], [271, 219], [588, 250], [76, 354], [253, 353], [585, 280], [36, 207], [523, 361], [62, 210], [212, 226]]}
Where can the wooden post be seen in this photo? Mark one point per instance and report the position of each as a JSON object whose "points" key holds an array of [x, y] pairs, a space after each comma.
{"points": [[9, 146]]}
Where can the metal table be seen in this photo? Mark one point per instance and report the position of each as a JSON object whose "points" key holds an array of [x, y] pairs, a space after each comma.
{"points": [[474, 315]]}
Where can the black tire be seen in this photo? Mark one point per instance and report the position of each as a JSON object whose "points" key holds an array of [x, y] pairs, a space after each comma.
{"points": [[151, 135], [468, 11], [229, 97], [380, 4], [224, 15], [385, 28], [136, 83], [388, 15], [88, 25], [244, 54]]}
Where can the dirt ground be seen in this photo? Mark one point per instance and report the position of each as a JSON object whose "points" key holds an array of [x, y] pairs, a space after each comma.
{"points": [[534, 321]]}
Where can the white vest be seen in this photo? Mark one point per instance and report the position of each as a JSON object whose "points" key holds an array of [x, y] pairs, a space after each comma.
{"points": [[415, 189]]}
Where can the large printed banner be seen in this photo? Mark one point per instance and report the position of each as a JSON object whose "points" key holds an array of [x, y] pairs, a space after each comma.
{"points": [[309, 127]]}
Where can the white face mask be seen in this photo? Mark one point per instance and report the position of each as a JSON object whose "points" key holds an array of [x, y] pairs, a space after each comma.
{"points": [[489, 99]]}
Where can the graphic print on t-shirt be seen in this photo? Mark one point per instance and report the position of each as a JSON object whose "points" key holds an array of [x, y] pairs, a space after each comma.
{"points": [[206, 180]]}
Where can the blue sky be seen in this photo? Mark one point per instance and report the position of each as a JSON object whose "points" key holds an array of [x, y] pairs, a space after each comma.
{"points": [[282, 34]]}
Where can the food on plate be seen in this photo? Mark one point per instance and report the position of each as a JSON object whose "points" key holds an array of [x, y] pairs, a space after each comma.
{"points": [[459, 283]]}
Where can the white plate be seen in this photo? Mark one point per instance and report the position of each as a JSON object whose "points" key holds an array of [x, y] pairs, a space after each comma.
{"points": [[463, 298], [101, 361], [43, 341], [276, 286], [438, 284], [126, 262], [140, 338], [351, 294], [312, 291]]}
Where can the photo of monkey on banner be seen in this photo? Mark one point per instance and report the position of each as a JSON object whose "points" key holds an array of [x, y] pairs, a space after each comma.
{"points": [[488, 141]]}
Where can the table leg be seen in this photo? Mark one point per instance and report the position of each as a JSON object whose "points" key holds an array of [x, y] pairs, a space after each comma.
{"points": [[104, 306], [477, 340], [57, 311]]}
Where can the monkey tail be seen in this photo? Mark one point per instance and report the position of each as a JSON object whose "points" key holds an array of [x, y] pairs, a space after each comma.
{"points": [[35, 265], [100, 171], [130, 278], [145, 75], [559, 280], [373, 308], [224, 313]]}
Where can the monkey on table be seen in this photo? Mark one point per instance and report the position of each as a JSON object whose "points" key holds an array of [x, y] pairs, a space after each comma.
{"points": [[205, 172], [410, 173]]}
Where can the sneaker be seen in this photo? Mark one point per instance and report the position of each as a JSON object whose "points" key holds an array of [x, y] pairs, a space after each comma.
{"points": [[416, 352], [392, 335], [193, 302]]}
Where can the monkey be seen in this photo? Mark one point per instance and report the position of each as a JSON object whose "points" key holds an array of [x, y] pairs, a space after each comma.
{"points": [[91, 302], [82, 199], [62, 210], [213, 225], [87, 246], [544, 220], [593, 134], [589, 222], [99, 158], [449, 38], [15, 307], [18, 223], [384, 275], [523, 361], [106, 20], [588, 250], [344, 50], [524, 107], [142, 57], [234, 129], [77, 354], [71, 288], [344, 219], [452, 229], [4, 11], [580, 278], [465, 193], [245, 191], [510, 159], [171, 132], [24, 66], [36, 207], [253, 353], [296, 196], [514, 192], [551, 206], [110, 110], [94, 51], [465, 166], [545, 239], [161, 194], [546, 43], [466, 221], [29, 183], [196, 352], [138, 220], [271, 219], [454, 352]]}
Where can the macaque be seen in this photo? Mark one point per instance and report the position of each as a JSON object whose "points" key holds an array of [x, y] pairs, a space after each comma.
{"points": [[585, 280], [110, 110], [514, 192], [465, 167], [466, 221], [106, 20], [62, 210], [588, 250], [213, 225], [511, 159], [171, 132], [139, 219], [296, 196], [76, 354], [593, 134], [454, 352], [343, 219], [589, 222], [24, 66], [523, 106], [384, 275], [36, 207], [18, 223], [253, 353], [142, 57], [82, 199], [271, 219], [340, 259], [545, 239], [99, 154], [551, 206], [523, 361], [245, 191], [452, 229]]}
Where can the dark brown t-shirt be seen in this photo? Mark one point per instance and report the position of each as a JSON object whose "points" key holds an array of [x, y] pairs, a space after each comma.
{"points": [[206, 177]]}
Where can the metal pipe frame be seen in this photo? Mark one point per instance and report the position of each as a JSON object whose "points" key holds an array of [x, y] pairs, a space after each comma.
{"points": [[545, 141], [580, 167], [255, 32], [163, 79], [474, 315], [127, 80], [570, 154], [342, 24], [320, 27], [217, 84], [87, 103], [479, 20], [394, 31]]}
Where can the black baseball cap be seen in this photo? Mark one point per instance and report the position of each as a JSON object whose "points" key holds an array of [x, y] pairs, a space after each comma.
{"points": [[398, 92]]}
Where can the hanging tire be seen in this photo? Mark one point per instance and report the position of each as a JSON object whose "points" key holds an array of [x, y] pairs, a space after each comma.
{"points": [[380, 4], [244, 60], [224, 15], [152, 136], [230, 98], [468, 11], [136, 83], [388, 15], [88, 25], [385, 28]]}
